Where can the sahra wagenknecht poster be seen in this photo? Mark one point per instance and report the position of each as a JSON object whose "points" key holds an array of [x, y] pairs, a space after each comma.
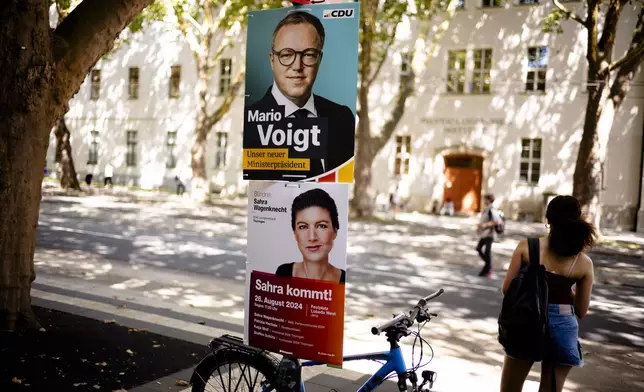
{"points": [[301, 89], [296, 268]]}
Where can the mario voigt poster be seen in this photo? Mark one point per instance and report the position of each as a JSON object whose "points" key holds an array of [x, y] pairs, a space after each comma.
{"points": [[296, 268], [301, 89]]}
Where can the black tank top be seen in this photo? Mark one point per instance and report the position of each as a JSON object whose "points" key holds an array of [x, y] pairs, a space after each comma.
{"points": [[286, 270], [559, 286], [559, 289]]}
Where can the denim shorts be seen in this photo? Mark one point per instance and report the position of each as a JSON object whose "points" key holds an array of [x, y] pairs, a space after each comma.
{"points": [[564, 347]]}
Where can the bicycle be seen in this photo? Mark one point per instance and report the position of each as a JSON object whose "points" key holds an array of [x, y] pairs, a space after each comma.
{"points": [[229, 354]]}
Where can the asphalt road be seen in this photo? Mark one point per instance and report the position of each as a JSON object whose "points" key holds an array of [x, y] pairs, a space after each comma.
{"points": [[184, 258]]}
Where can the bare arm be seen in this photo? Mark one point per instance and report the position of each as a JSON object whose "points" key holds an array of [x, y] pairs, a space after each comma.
{"points": [[581, 297], [515, 264]]}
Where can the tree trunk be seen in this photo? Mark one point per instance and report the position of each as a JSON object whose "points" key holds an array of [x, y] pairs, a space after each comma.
{"points": [[24, 126], [368, 145], [587, 175], [199, 187], [43, 72], [205, 121], [363, 199], [64, 159]]}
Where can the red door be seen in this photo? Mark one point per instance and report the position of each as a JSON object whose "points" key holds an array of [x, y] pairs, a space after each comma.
{"points": [[463, 182]]}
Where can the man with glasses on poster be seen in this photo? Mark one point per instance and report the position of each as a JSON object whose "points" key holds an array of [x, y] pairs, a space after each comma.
{"points": [[295, 58]]}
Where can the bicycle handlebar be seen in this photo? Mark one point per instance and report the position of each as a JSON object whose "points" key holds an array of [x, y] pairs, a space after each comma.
{"points": [[430, 297], [403, 318], [387, 325]]}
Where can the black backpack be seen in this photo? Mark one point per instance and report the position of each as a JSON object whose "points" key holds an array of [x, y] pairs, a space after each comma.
{"points": [[523, 321]]}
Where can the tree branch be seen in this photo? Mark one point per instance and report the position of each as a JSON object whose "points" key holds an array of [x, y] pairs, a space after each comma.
{"points": [[404, 92], [622, 82], [88, 32], [636, 49], [193, 43], [202, 30], [230, 96], [607, 40], [225, 42], [384, 56], [569, 13], [592, 53], [632, 55], [367, 20], [442, 29]]}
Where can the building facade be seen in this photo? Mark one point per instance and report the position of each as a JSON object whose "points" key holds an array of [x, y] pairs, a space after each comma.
{"points": [[499, 107]]}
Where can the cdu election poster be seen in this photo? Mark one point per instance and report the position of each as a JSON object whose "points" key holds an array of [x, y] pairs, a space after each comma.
{"points": [[296, 268], [301, 89]]}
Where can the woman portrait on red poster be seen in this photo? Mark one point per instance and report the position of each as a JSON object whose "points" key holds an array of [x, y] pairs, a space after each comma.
{"points": [[315, 224]]}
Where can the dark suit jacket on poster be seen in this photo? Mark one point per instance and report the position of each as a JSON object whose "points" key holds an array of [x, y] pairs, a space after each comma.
{"points": [[340, 137]]}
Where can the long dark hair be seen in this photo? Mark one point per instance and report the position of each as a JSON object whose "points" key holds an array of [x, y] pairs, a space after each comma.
{"points": [[570, 233], [315, 198]]}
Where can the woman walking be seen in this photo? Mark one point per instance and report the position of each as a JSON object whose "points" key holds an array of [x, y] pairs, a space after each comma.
{"points": [[562, 254]]}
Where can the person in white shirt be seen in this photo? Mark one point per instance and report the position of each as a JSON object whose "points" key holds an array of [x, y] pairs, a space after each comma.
{"points": [[489, 218], [109, 173]]}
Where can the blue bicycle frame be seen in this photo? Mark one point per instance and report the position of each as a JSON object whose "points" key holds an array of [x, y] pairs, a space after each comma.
{"points": [[395, 363]]}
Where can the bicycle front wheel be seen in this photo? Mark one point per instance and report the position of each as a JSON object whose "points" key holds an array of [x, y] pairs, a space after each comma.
{"points": [[237, 371]]}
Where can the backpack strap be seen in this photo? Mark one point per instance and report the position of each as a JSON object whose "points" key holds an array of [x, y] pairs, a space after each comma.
{"points": [[533, 250]]}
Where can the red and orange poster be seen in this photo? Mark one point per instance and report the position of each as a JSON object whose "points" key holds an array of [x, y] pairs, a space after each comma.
{"points": [[296, 269]]}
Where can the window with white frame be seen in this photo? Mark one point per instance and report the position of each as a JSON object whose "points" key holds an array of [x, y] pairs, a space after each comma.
{"points": [[133, 85], [456, 71], [95, 84], [481, 74], [491, 3], [530, 170], [220, 150], [403, 153], [537, 68], [171, 144], [225, 75], [92, 158], [130, 156], [175, 81]]}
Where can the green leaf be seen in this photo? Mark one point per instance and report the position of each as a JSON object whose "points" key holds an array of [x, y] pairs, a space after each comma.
{"points": [[552, 22]]}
